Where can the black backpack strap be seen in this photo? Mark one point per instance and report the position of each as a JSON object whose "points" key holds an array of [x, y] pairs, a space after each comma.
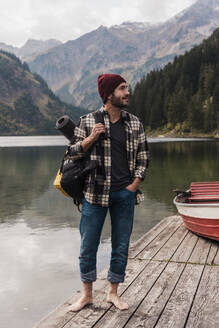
{"points": [[67, 152], [98, 116]]}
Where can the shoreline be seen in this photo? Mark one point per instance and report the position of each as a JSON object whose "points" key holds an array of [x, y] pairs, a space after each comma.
{"points": [[174, 134], [150, 134], [59, 140]]}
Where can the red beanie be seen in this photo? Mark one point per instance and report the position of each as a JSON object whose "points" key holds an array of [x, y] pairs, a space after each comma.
{"points": [[107, 83]]}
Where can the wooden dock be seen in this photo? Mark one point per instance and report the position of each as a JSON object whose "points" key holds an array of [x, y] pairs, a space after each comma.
{"points": [[172, 280]]}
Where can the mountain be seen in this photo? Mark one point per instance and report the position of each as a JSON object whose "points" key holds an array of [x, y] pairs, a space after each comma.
{"points": [[31, 48], [8, 48], [131, 49], [27, 105], [183, 97]]}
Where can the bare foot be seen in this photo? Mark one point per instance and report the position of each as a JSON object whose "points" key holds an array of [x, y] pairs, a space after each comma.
{"points": [[80, 304], [116, 300]]}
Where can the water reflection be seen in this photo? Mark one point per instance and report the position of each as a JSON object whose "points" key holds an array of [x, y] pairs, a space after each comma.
{"points": [[176, 165], [25, 175], [39, 238]]}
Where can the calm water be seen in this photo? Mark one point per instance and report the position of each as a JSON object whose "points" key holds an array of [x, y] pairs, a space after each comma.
{"points": [[39, 238]]}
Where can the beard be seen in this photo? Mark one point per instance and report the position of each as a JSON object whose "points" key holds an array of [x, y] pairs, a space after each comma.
{"points": [[118, 102]]}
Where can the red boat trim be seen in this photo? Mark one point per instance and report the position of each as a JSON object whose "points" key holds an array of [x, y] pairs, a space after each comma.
{"points": [[205, 230], [200, 224]]}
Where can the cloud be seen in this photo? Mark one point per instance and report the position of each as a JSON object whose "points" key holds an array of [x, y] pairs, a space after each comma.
{"points": [[162, 10], [69, 19]]}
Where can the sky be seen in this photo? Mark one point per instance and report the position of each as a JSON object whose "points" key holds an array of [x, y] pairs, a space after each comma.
{"points": [[69, 19]]}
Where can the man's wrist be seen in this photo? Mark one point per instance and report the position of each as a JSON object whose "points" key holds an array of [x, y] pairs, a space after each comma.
{"points": [[87, 143], [136, 183]]}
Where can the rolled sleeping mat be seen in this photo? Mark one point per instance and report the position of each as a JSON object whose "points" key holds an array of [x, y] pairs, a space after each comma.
{"points": [[66, 126]]}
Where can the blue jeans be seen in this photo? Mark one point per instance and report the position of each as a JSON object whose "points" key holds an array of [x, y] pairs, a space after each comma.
{"points": [[121, 208]]}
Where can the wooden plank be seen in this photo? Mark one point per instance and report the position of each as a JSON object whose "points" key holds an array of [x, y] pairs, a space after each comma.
{"points": [[60, 317], [204, 191], [216, 259], [200, 188], [133, 295], [88, 316], [213, 252], [177, 307], [153, 248], [167, 251], [200, 252], [185, 250], [205, 309], [206, 183], [152, 306], [146, 239]]}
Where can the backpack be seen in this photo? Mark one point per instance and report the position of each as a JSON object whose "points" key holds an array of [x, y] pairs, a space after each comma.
{"points": [[71, 176]]}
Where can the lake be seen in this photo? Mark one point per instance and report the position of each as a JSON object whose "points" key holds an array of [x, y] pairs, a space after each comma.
{"points": [[39, 237]]}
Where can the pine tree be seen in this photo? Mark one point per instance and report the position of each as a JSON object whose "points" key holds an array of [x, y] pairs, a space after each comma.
{"points": [[184, 93], [216, 104], [196, 117]]}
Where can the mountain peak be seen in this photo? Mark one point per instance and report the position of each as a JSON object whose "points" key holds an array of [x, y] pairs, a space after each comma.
{"points": [[214, 4], [31, 48], [133, 26], [208, 2], [202, 8], [37, 43]]}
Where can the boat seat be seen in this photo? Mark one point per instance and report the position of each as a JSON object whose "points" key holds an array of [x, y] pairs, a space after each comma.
{"points": [[204, 191]]}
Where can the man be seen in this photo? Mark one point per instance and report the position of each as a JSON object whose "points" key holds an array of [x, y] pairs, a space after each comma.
{"points": [[114, 185]]}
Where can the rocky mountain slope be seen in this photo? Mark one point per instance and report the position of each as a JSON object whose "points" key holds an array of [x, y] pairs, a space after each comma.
{"points": [[27, 105], [31, 48], [131, 49]]}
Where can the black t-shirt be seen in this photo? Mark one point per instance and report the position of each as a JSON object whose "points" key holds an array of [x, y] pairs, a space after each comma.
{"points": [[120, 174]]}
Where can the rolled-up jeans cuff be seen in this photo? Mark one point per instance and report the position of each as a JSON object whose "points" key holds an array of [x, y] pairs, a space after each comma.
{"points": [[89, 276], [115, 277]]}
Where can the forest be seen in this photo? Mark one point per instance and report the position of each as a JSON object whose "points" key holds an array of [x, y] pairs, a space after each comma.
{"points": [[184, 95]]}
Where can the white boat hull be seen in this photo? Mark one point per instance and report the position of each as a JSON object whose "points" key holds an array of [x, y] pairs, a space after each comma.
{"points": [[202, 219]]}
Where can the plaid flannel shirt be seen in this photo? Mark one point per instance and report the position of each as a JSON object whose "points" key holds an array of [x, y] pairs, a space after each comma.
{"points": [[97, 184]]}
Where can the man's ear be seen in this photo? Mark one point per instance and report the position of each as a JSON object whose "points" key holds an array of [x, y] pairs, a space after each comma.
{"points": [[109, 97]]}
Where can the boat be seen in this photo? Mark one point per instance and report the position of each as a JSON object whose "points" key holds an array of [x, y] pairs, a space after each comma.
{"points": [[199, 208]]}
